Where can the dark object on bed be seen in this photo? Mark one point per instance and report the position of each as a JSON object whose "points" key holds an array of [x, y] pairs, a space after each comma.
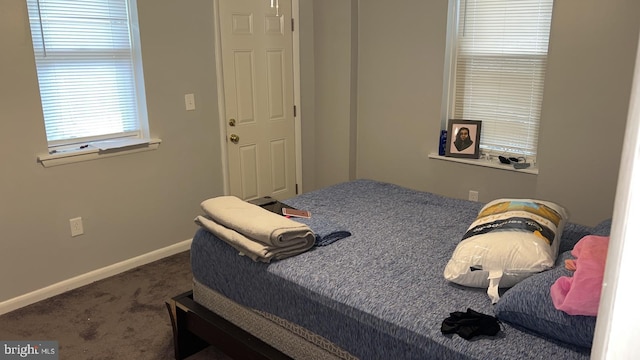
{"points": [[271, 204], [379, 293], [470, 324]]}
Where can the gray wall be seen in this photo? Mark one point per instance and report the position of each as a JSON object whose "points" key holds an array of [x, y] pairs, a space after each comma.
{"points": [[130, 204], [590, 67], [586, 100], [332, 129], [307, 94], [381, 124]]}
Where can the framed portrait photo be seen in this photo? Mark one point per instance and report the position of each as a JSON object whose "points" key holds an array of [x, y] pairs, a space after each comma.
{"points": [[463, 139]]}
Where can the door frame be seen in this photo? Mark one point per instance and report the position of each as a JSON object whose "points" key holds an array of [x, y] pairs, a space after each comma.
{"points": [[222, 111]]}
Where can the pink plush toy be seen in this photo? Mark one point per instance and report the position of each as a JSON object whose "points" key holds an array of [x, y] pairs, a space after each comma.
{"points": [[580, 294]]}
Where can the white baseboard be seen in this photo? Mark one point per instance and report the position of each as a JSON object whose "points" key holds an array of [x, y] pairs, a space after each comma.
{"points": [[92, 276]]}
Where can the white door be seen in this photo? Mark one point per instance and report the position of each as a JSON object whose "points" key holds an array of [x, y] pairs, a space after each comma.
{"points": [[257, 66]]}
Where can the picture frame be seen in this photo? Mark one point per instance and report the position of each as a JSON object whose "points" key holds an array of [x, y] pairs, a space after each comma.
{"points": [[459, 145]]}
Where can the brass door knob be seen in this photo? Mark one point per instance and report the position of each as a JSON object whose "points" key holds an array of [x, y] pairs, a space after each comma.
{"points": [[234, 138], [232, 122]]}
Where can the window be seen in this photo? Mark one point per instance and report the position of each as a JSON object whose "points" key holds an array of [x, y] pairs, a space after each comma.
{"points": [[89, 70], [498, 56]]}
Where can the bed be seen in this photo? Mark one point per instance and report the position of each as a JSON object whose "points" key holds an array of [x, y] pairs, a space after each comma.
{"points": [[376, 294]]}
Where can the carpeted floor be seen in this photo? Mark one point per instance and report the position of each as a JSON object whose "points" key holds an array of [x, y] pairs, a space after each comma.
{"points": [[121, 317]]}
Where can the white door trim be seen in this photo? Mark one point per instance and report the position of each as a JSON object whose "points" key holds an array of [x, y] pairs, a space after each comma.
{"points": [[222, 113], [295, 15]]}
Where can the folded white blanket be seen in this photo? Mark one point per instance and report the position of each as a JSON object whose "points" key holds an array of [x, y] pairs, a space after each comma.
{"points": [[254, 231]]}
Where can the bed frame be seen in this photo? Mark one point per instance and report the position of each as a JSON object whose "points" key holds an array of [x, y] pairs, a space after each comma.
{"points": [[196, 327]]}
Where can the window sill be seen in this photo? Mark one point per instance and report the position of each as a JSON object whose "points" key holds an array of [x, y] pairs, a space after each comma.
{"points": [[98, 150], [494, 163]]}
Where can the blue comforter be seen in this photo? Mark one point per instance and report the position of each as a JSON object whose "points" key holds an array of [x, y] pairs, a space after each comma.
{"points": [[379, 293]]}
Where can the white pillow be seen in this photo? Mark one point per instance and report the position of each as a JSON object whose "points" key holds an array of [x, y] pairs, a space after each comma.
{"points": [[510, 240]]}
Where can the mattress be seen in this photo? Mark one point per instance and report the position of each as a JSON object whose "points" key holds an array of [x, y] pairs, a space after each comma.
{"points": [[379, 293]]}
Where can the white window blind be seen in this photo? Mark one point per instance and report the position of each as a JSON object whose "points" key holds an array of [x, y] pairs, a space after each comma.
{"points": [[86, 69], [500, 52]]}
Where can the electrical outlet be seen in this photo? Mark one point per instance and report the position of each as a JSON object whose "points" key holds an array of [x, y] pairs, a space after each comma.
{"points": [[473, 195], [76, 226]]}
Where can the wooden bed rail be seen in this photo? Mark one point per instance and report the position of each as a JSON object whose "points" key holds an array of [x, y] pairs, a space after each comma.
{"points": [[196, 327]]}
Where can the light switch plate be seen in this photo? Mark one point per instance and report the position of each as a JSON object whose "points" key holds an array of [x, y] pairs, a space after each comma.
{"points": [[189, 102]]}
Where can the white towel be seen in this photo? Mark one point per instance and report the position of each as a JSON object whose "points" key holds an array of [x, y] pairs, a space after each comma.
{"points": [[254, 231]]}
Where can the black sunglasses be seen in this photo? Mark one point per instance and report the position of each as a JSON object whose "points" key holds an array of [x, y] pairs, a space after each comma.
{"points": [[509, 160], [519, 163]]}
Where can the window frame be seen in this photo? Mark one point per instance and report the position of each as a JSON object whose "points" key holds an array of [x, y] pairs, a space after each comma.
{"points": [[449, 86], [89, 147]]}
